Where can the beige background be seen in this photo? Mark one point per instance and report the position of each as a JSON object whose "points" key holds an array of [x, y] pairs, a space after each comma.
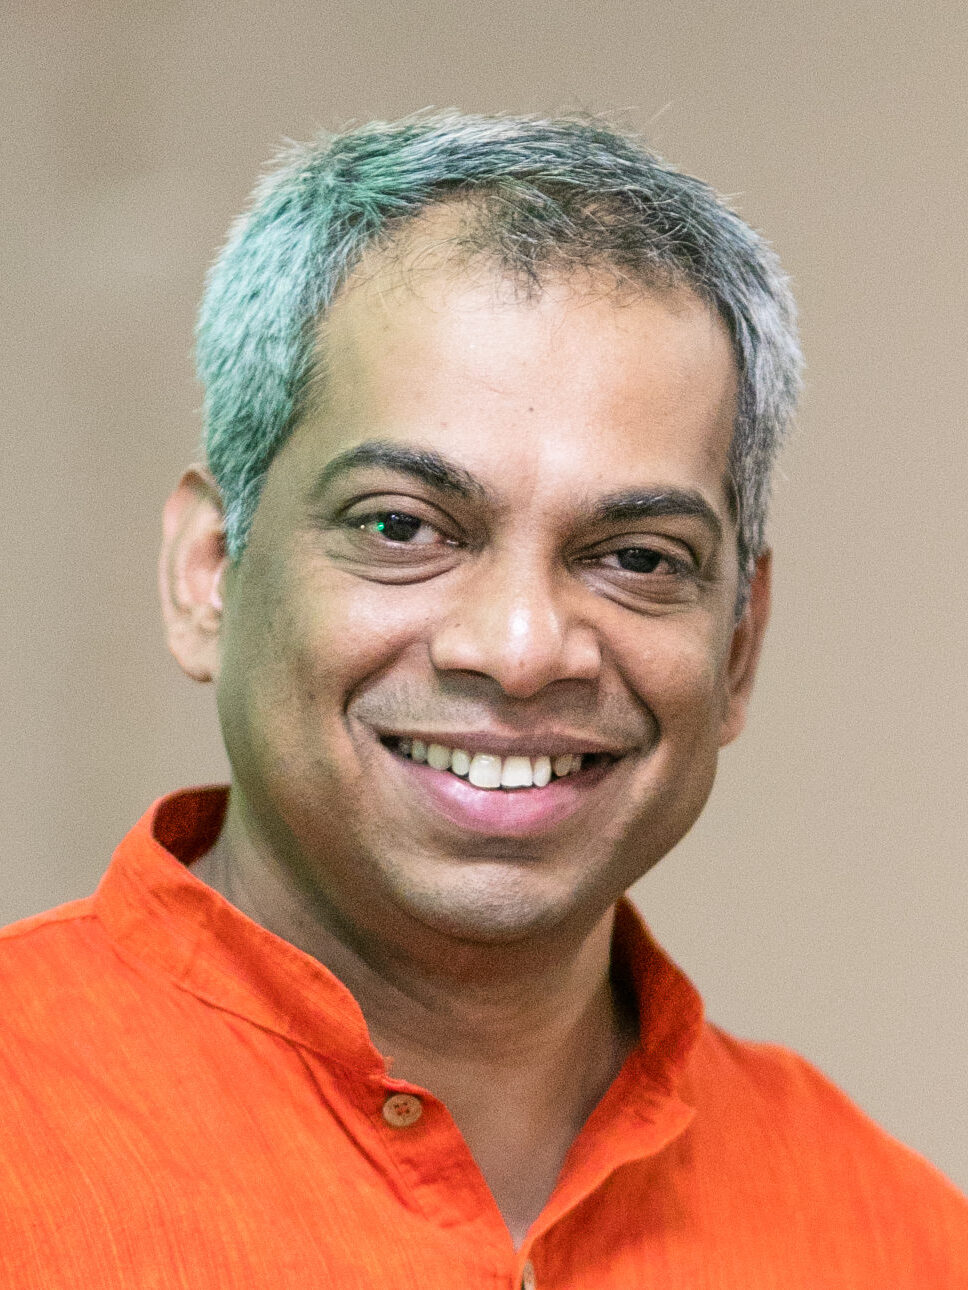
{"points": [[822, 900]]}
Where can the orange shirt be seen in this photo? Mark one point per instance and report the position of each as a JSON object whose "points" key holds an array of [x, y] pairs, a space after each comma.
{"points": [[190, 1102]]}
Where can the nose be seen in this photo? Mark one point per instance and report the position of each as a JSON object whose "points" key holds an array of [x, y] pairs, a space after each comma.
{"points": [[514, 621]]}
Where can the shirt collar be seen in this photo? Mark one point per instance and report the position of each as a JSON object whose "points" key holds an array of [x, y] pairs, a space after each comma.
{"points": [[157, 912]]}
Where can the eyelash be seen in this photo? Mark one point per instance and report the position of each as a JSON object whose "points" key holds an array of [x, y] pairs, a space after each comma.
{"points": [[680, 568], [358, 523]]}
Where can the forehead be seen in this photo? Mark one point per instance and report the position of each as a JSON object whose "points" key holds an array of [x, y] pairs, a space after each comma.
{"points": [[578, 383]]}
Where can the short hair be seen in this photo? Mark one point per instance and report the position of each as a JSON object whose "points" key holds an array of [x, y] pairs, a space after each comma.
{"points": [[545, 197]]}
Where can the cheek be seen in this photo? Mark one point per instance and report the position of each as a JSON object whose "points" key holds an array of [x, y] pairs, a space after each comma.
{"points": [[327, 637], [678, 671], [350, 630], [269, 675]]}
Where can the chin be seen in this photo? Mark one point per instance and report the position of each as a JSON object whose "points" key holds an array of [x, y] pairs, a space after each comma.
{"points": [[495, 902]]}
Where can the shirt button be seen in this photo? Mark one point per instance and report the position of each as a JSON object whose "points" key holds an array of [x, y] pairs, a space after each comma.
{"points": [[528, 1279], [401, 1110]]}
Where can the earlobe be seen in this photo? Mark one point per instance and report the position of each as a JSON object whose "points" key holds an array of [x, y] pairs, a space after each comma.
{"points": [[747, 642], [190, 571]]}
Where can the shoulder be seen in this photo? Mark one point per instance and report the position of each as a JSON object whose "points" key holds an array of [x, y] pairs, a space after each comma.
{"points": [[55, 968], [790, 1086], [35, 946], [800, 1123]]}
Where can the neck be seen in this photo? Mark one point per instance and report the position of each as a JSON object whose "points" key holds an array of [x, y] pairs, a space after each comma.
{"points": [[519, 1041]]}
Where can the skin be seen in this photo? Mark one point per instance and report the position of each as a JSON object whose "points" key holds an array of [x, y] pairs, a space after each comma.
{"points": [[480, 960]]}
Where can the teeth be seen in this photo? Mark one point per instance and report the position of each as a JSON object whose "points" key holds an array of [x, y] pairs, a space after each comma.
{"points": [[488, 770], [516, 773], [485, 771]]}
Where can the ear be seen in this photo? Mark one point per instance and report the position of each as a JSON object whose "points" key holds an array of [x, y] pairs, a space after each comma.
{"points": [[193, 561], [745, 649]]}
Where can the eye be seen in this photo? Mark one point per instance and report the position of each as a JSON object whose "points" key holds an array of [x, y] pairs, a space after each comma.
{"points": [[393, 540], [644, 574], [396, 526], [640, 559], [646, 560]]}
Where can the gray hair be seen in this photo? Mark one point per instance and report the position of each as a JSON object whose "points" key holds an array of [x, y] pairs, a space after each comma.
{"points": [[544, 196]]}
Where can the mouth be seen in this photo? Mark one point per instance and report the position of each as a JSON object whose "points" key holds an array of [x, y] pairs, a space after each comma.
{"points": [[498, 793], [492, 771]]}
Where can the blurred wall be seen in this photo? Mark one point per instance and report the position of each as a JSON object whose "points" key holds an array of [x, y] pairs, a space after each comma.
{"points": [[822, 899]]}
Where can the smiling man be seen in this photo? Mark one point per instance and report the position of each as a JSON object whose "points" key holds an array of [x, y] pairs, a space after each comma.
{"points": [[477, 567]]}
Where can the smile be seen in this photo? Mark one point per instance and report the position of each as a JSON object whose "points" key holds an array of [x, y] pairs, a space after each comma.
{"points": [[494, 770], [501, 794]]}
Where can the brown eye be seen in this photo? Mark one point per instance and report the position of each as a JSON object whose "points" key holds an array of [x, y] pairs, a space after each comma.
{"points": [[640, 559], [395, 526]]}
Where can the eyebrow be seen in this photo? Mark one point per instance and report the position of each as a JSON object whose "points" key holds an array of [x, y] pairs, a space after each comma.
{"points": [[423, 464], [434, 470], [655, 503]]}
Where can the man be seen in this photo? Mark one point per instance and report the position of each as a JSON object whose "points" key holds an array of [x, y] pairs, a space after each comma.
{"points": [[477, 565]]}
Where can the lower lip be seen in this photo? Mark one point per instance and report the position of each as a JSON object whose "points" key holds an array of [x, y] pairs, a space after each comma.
{"points": [[512, 813]]}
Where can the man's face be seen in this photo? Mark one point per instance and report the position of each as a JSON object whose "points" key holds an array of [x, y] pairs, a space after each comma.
{"points": [[505, 531]]}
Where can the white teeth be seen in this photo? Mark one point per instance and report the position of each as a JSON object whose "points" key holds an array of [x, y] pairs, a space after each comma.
{"points": [[485, 771], [488, 770], [516, 773]]}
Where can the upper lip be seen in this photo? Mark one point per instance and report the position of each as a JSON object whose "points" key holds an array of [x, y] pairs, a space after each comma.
{"points": [[500, 744]]}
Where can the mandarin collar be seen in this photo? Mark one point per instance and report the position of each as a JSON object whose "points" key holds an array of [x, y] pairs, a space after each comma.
{"points": [[157, 912]]}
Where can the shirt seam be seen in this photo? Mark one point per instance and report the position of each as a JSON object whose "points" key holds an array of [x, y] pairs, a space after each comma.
{"points": [[132, 958], [12, 932]]}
